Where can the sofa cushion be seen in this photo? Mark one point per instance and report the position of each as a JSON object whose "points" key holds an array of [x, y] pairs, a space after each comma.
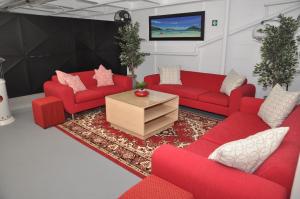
{"points": [[181, 90], [211, 82], [231, 82], [75, 83], [281, 165], [61, 77], [108, 90], [165, 88], [249, 153], [214, 98], [202, 147], [278, 105], [238, 126], [85, 76], [103, 76], [170, 75], [87, 95]]}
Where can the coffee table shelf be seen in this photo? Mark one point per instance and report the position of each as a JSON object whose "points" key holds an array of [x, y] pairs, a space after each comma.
{"points": [[142, 116], [158, 111]]}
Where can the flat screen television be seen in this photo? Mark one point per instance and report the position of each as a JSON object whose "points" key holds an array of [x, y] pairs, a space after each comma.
{"points": [[183, 26]]}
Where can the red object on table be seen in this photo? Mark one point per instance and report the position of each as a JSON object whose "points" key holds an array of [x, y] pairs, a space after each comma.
{"points": [[48, 111], [141, 93], [154, 187]]}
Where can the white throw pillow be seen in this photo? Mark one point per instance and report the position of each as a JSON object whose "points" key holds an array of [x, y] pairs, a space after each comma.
{"points": [[231, 82], [249, 153], [277, 106], [170, 75]]}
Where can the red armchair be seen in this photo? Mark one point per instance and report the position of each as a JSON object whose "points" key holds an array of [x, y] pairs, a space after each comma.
{"points": [[93, 97], [201, 91]]}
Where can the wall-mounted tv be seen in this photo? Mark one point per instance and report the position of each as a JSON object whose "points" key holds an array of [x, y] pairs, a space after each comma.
{"points": [[183, 26]]}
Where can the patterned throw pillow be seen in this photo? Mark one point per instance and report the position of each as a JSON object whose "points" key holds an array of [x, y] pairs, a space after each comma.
{"points": [[249, 153], [75, 83], [231, 82], [170, 75], [103, 76], [277, 106], [61, 77]]}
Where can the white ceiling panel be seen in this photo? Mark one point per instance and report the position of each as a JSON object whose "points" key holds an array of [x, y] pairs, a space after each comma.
{"points": [[82, 8]]}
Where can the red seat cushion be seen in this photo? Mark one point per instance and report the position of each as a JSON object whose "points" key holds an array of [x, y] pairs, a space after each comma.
{"points": [[97, 93], [153, 187], [181, 90], [109, 90], [214, 98], [202, 147], [281, 165], [88, 95], [238, 126]]}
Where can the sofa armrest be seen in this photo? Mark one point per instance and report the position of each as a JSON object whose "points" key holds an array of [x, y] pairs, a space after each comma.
{"points": [[207, 179], [123, 81], [235, 98], [251, 105], [65, 93], [152, 80]]}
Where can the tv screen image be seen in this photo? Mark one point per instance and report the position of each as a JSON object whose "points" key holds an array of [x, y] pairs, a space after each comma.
{"points": [[184, 26]]}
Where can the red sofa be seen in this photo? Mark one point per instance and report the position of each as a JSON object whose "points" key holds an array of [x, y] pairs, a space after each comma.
{"points": [[92, 97], [190, 169], [202, 91]]}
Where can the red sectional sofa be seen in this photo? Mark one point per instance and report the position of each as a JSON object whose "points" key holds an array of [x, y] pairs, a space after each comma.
{"points": [[92, 97], [202, 91], [190, 169]]}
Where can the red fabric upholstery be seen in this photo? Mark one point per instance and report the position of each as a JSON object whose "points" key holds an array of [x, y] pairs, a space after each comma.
{"points": [[210, 82], [206, 106], [238, 126], [190, 169], [214, 98], [86, 77], [108, 90], [153, 187], [206, 179], [201, 91], [235, 98], [250, 105], [87, 95], [48, 111], [180, 90], [202, 147], [89, 99]]}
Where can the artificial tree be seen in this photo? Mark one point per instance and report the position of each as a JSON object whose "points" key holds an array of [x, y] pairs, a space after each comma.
{"points": [[278, 53], [130, 44]]}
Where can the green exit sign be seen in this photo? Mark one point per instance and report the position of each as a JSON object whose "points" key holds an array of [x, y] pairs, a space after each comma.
{"points": [[214, 22]]}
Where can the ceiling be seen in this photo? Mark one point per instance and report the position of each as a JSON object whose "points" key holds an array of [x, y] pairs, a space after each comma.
{"points": [[82, 8]]}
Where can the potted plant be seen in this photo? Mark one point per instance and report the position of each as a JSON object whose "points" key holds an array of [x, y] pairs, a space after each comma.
{"points": [[130, 44], [278, 53], [141, 85], [141, 91]]}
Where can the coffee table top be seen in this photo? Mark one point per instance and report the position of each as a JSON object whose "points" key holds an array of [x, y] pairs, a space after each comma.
{"points": [[152, 99]]}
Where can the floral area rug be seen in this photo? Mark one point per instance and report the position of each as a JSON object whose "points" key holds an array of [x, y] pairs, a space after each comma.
{"points": [[91, 129]]}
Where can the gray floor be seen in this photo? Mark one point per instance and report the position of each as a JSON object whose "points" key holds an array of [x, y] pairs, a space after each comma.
{"points": [[47, 164]]}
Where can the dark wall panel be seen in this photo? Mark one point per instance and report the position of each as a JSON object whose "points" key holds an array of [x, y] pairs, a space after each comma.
{"points": [[35, 46]]}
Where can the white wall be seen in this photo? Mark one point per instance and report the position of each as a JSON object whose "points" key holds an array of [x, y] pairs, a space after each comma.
{"points": [[242, 52]]}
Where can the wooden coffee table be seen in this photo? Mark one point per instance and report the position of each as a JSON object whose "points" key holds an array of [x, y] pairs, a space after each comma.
{"points": [[142, 116]]}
